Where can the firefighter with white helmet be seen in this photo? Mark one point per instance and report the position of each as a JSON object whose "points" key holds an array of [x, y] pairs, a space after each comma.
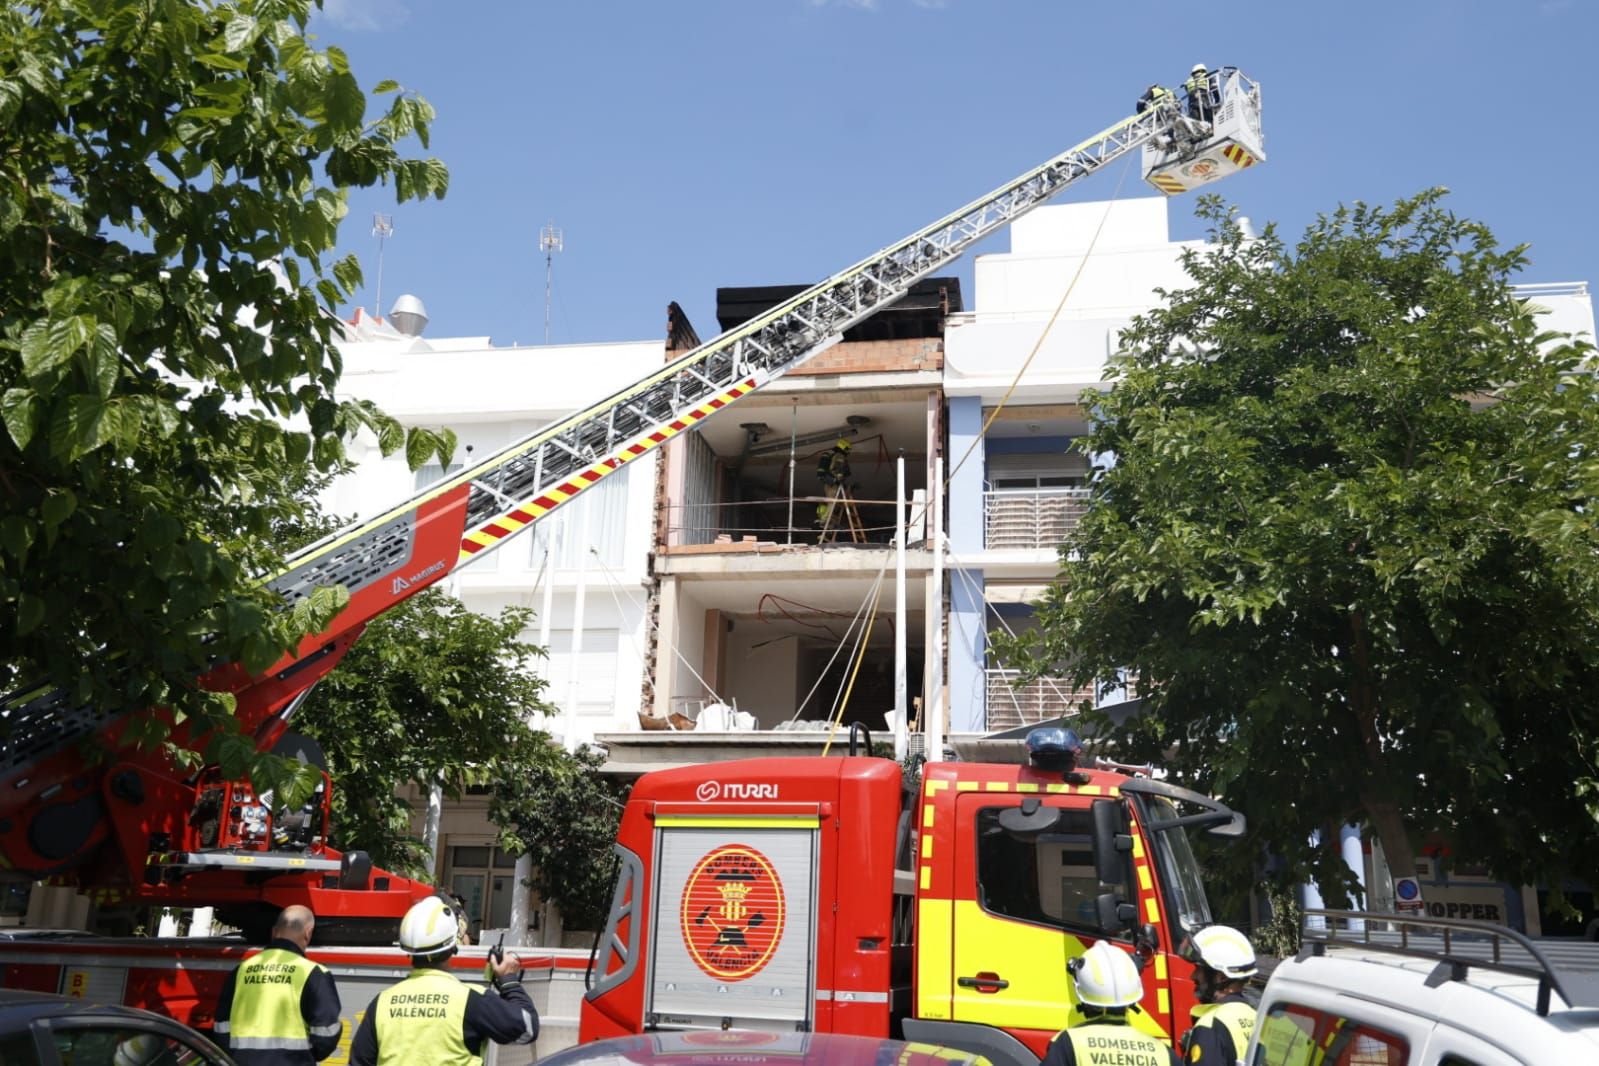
{"points": [[1200, 104], [432, 1016], [1224, 961], [1108, 986]]}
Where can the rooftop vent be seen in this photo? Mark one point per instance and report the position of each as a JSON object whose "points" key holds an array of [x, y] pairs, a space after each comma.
{"points": [[409, 316]]}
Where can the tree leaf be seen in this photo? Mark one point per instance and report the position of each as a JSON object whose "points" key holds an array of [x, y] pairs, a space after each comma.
{"points": [[23, 414], [240, 33], [58, 506], [30, 613]]}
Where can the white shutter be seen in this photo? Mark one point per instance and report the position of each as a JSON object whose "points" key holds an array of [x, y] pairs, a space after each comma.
{"points": [[596, 677], [1038, 464], [717, 957]]}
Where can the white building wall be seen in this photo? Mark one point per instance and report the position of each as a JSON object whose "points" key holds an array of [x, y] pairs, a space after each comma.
{"points": [[492, 398], [1016, 292]]}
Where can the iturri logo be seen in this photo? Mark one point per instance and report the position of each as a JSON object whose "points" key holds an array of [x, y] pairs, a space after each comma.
{"points": [[735, 790]]}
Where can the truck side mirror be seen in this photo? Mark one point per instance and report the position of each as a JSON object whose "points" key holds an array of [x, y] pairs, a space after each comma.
{"points": [[1114, 915], [1112, 841]]}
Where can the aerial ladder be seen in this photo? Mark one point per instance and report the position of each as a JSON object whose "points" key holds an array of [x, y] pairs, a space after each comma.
{"points": [[137, 828]]}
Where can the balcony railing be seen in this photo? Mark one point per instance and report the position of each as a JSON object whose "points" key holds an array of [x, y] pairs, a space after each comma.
{"points": [[1036, 701], [1036, 519]]}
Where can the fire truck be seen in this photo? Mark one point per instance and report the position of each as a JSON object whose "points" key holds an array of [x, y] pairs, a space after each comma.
{"points": [[135, 828], [822, 895]]}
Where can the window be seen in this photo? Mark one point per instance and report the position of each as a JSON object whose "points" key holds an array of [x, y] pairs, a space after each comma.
{"points": [[482, 876], [1185, 889], [1292, 1035], [83, 1045], [1032, 472], [433, 472], [1048, 878], [606, 505]]}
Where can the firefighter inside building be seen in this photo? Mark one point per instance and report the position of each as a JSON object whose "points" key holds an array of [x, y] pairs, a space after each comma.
{"points": [[832, 470], [1108, 985]]}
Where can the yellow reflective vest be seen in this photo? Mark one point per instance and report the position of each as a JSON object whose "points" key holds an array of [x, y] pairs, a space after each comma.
{"points": [[422, 1019], [266, 1003], [1235, 1016]]}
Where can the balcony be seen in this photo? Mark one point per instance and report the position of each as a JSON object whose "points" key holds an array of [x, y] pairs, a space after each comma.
{"points": [[1031, 520], [1038, 701]]}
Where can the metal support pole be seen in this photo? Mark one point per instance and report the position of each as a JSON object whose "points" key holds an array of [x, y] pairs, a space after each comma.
{"points": [[793, 468], [901, 687], [934, 695]]}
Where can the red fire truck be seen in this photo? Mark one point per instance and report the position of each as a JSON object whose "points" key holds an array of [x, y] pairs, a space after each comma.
{"points": [[821, 895]]}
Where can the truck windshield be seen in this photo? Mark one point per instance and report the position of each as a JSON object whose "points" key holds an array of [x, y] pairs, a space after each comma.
{"points": [[1180, 871]]}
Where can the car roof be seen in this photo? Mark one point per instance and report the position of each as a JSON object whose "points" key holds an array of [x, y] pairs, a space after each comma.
{"points": [[1493, 1005]]}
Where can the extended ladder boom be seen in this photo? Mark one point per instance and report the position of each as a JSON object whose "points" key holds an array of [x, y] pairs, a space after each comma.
{"points": [[387, 559], [526, 481]]}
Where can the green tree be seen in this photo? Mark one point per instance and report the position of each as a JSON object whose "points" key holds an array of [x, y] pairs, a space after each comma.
{"points": [[172, 177], [564, 814], [431, 692], [1348, 546]]}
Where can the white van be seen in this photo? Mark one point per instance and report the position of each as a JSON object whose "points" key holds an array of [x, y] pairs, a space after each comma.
{"points": [[1427, 992]]}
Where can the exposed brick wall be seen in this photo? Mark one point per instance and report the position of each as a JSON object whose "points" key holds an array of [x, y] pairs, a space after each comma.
{"points": [[866, 357]]}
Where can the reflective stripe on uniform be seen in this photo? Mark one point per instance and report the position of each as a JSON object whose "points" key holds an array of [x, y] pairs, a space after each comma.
{"points": [[269, 1043]]}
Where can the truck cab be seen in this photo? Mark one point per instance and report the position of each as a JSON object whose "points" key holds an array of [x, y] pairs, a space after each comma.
{"points": [[823, 895]]}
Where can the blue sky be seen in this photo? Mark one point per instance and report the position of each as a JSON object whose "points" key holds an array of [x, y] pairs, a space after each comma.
{"points": [[683, 145]]}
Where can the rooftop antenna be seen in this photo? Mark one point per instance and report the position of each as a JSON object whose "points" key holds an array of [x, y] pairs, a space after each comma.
{"points": [[382, 229], [550, 242]]}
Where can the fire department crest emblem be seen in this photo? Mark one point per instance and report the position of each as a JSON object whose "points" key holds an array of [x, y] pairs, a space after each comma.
{"points": [[733, 912]]}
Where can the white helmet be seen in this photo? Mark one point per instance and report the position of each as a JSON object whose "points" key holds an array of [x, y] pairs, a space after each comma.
{"points": [[1200, 68], [428, 928], [139, 1050], [1225, 950], [1106, 977]]}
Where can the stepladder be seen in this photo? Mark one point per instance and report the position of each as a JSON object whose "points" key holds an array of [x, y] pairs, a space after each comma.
{"points": [[840, 515]]}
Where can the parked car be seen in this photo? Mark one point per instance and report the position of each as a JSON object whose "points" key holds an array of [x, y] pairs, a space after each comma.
{"points": [[735, 1047], [1380, 990], [37, 1029]]}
